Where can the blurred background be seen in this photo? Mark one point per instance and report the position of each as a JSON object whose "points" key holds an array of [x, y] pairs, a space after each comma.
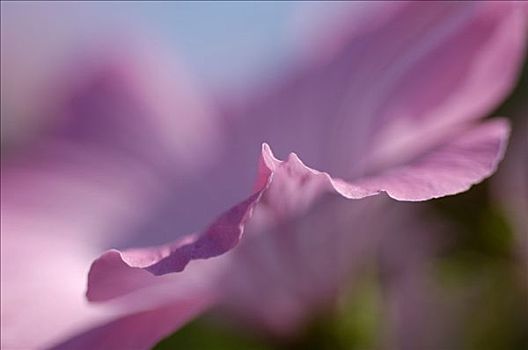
{"points": [[479, 264]]}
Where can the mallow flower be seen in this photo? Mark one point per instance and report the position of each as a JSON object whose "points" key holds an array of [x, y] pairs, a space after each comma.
{"points": [[385, 101]]}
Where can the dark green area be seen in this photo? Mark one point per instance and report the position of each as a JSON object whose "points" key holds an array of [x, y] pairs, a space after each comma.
{"points": [[206, 334]]}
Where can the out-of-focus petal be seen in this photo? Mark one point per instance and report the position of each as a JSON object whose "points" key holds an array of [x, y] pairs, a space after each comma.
{"points": [[135, 102], [122, 126], [288, 270], [122, 131], [137, 331], [417, 316], [42, 282]]}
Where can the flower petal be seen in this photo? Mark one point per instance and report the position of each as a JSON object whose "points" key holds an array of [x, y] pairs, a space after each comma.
{"points": [[118, 273], [339, 111], [399, 52], [288, 268], [468, 158], [417, 315], [290, 189], [417, 69], [42, 281], [141, 330], [69, 193]]}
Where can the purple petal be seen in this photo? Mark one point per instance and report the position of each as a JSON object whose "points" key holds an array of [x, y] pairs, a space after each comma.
{"points": [[450, 168], [417, 314], [391, 90], [43, 278], [70, 192], [117, 273], [289, 188], [449, 162], [120, 136], [279, 180], [288, 268], [141, 330]]}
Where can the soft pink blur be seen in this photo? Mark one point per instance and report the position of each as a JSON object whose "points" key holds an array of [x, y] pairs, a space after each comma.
{"points": [[128, 153]]}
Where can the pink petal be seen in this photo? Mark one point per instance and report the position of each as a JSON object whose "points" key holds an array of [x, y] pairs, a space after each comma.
{"points": [[451, 157], [119, 137], [118, 273], [288, 268], [69, 193], [389, 91], [141, 330], [286, 190], [42, 282], [466, 159], [289, 188], [416, 313]]}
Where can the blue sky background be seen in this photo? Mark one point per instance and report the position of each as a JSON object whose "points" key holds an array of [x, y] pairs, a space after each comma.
{"points": [[222, 42]]}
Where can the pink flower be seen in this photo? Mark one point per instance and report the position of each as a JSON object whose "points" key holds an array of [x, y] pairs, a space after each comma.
{"points": [[391, 105]]}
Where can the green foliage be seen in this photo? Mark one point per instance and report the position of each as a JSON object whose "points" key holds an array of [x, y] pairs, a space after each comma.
{"points": [[203, 333]]}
